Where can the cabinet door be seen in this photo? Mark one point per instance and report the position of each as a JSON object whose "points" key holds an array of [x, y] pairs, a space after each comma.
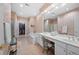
{"points": [[70, 53], [39, 40], [59, 50], [73, 49], [8, 32]]}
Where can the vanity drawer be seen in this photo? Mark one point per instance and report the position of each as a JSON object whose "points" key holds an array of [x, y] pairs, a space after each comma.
{"points": [[73, 49], [61, 44], [70, 53]]}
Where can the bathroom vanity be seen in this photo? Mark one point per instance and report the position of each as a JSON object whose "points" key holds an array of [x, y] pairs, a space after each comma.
{"points": [[64, 44]]}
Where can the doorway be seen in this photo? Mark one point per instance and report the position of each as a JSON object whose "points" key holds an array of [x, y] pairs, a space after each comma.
{"points": [[21, 29]]}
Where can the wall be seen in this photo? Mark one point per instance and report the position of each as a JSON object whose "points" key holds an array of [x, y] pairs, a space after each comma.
{"points": [[32, 24], [7, 8], [39, 23], [14, 23], [36, 24], [5, 16], [68, 19], [1, 24], [24, 21]]}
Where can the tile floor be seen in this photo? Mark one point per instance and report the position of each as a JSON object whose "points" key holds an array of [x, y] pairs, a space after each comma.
{"points": [[26, 47]]}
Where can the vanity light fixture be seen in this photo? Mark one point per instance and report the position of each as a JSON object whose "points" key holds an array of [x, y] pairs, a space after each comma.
{"points": [[45, 11], [48, 12], [56, 7], [53, 5], [67, 9], [21, 5]]}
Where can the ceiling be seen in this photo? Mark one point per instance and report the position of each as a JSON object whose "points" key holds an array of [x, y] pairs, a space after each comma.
{"points": [[26, 10], [57, 9], [32, 9]]}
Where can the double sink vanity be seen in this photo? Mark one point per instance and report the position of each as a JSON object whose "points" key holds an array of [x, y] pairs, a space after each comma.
{"points": [[64, 44]]}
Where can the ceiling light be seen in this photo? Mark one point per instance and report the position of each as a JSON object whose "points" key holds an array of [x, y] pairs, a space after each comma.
{"points": [[48, 12], [45, 11], [21, 5], [67, 9], [63, 4], [53, 5], [56, 7]]}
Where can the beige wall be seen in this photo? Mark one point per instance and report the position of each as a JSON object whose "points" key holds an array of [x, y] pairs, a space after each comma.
{"points": [[13, 16], [68, 19], [32, 24], [7, 12], [39, 23], [35, 23], [14, 20], [21, 20]]}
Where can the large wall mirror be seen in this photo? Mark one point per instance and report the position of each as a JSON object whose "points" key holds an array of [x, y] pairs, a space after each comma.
{"points": [[50, 25]]}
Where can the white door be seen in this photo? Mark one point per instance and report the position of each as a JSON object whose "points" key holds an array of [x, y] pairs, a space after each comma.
{"points": [[1, 33], [8, 32]]}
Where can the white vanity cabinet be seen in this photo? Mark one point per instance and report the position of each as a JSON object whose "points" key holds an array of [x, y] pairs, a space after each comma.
{"points": [[65, 49], [72, 50], [39, 40], [60, 48]]}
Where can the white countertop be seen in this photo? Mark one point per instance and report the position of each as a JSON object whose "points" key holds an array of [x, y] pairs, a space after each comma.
{"points": [[62, 38]]}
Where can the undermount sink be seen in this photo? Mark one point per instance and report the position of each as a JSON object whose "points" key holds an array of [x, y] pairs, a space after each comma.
{"points": [[76, 39], [63, 37], [53, 33], [69, 38], [73, 39]]}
